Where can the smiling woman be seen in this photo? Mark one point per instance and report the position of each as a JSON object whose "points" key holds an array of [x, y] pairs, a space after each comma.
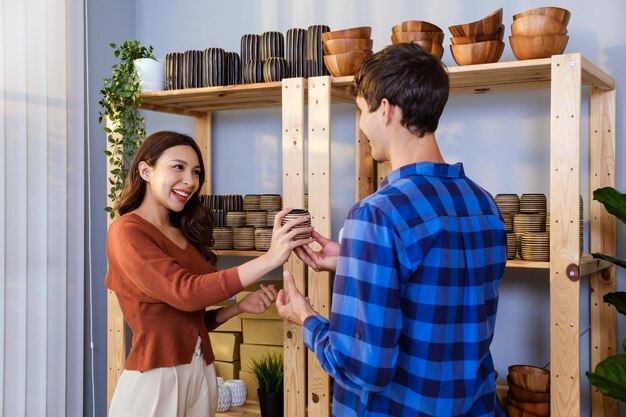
{"points": [[162, 271]]}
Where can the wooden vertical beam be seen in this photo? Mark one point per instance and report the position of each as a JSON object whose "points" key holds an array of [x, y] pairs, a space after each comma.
{"points": [[204, 139], [564, 235], [603, 237], [293, 195], [383, 169], [319, 207], [364, 164], [116, 334]]}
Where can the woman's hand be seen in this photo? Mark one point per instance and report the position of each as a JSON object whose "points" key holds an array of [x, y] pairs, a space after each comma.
{"points": [[283, 237], [258, 301]]}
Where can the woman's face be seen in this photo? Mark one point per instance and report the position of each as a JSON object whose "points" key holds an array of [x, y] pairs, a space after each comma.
{"points": [[173, 179]]}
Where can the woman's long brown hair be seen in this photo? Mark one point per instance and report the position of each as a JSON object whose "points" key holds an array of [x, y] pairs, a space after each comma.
{"points": [[195, 221]]}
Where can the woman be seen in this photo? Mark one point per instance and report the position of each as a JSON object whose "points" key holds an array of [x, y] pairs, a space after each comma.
{"points": [[162, 271]]}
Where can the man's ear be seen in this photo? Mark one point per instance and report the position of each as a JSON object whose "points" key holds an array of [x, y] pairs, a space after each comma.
{"points": [[388, 110], [144, 170]]}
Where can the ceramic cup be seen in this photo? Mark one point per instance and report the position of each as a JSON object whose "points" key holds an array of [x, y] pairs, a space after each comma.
{"points": [[224, 397], [238, 391], [294, 214]]}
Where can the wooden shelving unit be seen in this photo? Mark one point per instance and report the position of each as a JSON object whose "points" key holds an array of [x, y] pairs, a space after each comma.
{"points": [[307, 387]]}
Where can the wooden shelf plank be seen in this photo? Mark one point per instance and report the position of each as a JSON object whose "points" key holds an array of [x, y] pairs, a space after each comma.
{"points": [[249, 409], [519, 263]]}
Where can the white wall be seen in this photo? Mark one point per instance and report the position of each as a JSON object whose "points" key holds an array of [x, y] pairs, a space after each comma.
{"points": [[502, 138]]}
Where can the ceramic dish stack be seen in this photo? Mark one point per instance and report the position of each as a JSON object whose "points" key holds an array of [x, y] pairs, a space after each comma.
{"points": [[539, 33], [219, 217], [251, 64], [243, 238], [223, 238], [314, 54], [478, 42], [345, 50], [295, 53], [536, 246], [193, 67], [236, 218], [294, 214], [272, 55], [263, 238], [213, 68], [173, 70], [252, 202], [271, 215], [256, 218], [232, 74], [425, 34], [529, 391], [511, 245], [270, 202], [508, 203]]}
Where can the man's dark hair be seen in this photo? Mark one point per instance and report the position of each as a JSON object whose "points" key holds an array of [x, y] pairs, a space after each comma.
{"points": [[408, 77]]}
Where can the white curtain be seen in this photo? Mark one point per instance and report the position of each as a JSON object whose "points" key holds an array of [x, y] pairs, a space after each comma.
{"points": [[42, 204]]}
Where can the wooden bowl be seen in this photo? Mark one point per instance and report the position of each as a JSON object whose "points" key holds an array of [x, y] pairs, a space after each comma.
{"points": [[342, 45], [540, 46], [488, 25], [399, 37], [538, 409], [348, 63], [521, 394], [358, 32], [512, 411], [415, 26], [464, 40], [537, 24], [477, 53], [530, 378], [563, 15]]}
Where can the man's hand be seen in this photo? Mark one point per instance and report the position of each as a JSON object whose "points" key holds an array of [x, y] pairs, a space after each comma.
{"points": [[324, 259], [291, 304]]}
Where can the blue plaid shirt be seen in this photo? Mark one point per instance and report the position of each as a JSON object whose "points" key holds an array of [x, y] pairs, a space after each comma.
{"points": [[415, 299]]}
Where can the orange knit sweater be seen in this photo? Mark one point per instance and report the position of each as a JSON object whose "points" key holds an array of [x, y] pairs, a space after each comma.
{"points": [[163, 291]]}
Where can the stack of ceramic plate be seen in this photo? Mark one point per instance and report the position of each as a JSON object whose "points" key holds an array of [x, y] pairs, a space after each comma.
{"points": [[508, 221], [233, 202], [314, 52], [295, 53], [243, 238], [508, 203], [256, 218], [306, 201], [511, 245], [271, 215], [236, 218], [252, 202], [220, 217], [232, 74], [425, 34], [223, 238], [192, 68], [173, 70], [272, 55], [263, 238], [294, 214], [529, 222], [533, 203], [270, 202], [536, 246], [214, 67], [251, 64]]}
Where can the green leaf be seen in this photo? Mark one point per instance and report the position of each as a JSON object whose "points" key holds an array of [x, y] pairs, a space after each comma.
{"points": [[613, 201], [617, 299], [268, 372], [609, 377], [611, 259]]}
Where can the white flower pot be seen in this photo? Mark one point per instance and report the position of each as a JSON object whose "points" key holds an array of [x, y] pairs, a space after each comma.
{"points": [[151, 74]]}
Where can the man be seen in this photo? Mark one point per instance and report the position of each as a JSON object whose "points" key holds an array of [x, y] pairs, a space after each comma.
{"points": [[417, 272]]}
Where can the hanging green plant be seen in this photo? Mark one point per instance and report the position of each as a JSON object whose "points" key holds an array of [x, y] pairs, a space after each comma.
{"points": [[120, 102]]}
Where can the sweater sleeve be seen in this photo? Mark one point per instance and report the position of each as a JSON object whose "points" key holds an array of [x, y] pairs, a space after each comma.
{"points": [[139, 267]]}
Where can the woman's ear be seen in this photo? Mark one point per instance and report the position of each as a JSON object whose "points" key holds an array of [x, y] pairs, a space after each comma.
{"points": [[144, 170]]}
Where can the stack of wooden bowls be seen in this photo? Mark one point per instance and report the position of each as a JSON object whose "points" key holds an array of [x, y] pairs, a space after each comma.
{"points": [[539, 33], [345, 50], [478, 42], [425, 34], [529, 392]]}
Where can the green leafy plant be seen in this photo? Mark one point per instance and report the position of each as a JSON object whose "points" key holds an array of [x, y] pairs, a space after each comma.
{"points": [[269, 373], [609, 376], [121, 98]]}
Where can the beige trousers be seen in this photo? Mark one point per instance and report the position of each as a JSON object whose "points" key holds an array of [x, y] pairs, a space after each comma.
{"points": [[179, 391]]}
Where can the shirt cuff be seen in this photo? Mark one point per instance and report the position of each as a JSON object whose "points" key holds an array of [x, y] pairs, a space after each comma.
{"points": [[311, 327]]}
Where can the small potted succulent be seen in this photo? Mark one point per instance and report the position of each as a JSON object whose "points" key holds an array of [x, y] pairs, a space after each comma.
{"points": [[269, 373]]}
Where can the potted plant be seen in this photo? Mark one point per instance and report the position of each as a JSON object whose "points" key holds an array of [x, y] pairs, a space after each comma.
{"points": [[269, 373], [609, 376], [121, 98]]}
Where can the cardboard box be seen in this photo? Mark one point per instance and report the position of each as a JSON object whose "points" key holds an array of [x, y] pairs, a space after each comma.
{"points": [[227, 370], [251, 385], [263, 332], [225, 346], [257, 352], [270, 314], [231, 325]]}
